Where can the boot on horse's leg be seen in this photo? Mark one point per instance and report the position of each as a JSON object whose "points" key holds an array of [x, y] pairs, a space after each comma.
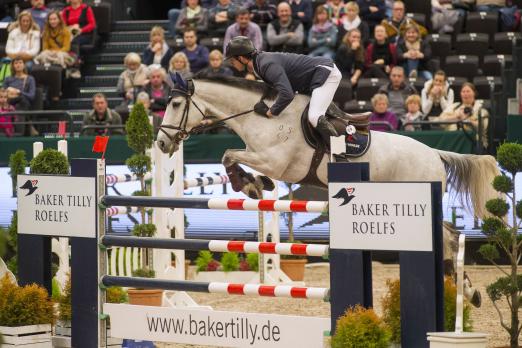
{"points": [[326, 129]]}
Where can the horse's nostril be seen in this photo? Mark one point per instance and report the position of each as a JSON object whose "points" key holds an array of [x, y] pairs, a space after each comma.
{"points": [[161, 144]]}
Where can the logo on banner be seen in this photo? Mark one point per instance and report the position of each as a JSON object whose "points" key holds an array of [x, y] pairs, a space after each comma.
{"points": [[346, 194], [30, 185]]}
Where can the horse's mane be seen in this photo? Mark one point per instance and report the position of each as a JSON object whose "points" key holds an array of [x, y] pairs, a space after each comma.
{"points": [[255, 86]]}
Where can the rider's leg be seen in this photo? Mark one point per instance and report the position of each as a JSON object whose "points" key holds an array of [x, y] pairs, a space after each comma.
{"points": [[321, 98]]}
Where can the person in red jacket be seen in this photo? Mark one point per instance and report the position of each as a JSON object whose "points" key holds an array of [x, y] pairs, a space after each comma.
{"points": [[80, 19]]}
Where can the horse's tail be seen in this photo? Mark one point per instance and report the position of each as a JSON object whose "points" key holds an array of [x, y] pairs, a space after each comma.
{"points": [[471, 177]]}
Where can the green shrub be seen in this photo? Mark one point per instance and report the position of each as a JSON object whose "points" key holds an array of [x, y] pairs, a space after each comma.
{"points": [[64, 302], [17, 164], [203, 260], [56, 291], [360, 327], [140, 134], [28, 305], [230, 262], [12, 244], [116, 294], [143, 273], [253, 262], [144, 230], [50, 161], [509, 157], [139, 164], [450, 308]]}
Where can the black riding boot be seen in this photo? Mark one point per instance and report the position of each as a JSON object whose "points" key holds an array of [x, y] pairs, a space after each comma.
{"points": [[326, 129]]}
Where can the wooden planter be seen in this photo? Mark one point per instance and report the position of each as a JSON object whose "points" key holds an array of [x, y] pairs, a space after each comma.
{"points": [[228, 277], [30, 336], [145, 297], [294, 268]]}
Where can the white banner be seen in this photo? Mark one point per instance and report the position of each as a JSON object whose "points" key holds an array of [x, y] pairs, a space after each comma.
{"points": [[60, 206], [216, 328], [380, 216]]}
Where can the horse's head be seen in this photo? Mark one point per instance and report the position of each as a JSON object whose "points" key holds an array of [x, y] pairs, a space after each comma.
{"points": [[182, 115]]}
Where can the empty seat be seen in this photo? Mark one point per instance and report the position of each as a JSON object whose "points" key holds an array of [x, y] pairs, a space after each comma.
{"points": [[456, 83], [343, 93], [472, 44], [212, 43], [417, 82], [355, 106], [440, 46], [483, 84], [367, 88], [420, 18], [482, 22], [492, 64], [503, 42], [462, 65]]}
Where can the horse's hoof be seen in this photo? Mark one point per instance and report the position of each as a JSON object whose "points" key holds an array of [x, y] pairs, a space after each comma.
{"points": [[251, 191], [476, 299], [265, 182]]}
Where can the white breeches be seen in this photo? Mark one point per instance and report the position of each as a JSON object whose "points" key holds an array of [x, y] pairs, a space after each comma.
{"points": [[323, 96]]}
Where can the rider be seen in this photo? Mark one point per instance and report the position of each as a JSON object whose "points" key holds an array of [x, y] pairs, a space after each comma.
{"points": [[289, 73]]}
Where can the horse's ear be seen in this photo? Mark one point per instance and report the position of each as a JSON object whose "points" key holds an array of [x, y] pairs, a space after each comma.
{"points": [[178, 81]]}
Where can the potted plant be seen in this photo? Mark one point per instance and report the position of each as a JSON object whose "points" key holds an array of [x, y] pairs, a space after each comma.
{"points": [[17, 164], [231, 269], [360, 327], [292, 265], [26, 315], [145, 297], [501, 230]]}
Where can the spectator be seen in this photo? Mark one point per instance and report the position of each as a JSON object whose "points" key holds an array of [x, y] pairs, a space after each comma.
{"points": [[143, 98], [413, 105], [444, 16], [322, 37], [436, 95], [470, 109], [285, 34], [39, 12], [372, 12], [397, 91], [489, 5], [173, 13], [20, 86], [221, 17], [262, 12], [157, 52], [244, 27], [413, 53], [396, 25], [352, 21], [380, 55], [350, 56], [216, 67], [6, 121], [158, 90], [302, 11], [24, 39], [336, 10], [192, 16], [381, 113], [56, 42], [180, 64], [101, 116], [132, 79], [196, 54], [80, 19]]}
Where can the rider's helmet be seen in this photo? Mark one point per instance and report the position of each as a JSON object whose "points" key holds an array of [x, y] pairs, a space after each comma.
{"points": [[239, 46]]}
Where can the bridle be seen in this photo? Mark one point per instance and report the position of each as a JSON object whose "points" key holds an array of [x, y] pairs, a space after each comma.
{"points": [[182, 133]]}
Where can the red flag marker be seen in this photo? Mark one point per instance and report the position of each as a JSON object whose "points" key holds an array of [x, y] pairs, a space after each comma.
{"points": [[62, 127], [100, 144]]}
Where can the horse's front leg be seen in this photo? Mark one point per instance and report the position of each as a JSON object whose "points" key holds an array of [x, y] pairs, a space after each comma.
{"points": [[242, 180]]}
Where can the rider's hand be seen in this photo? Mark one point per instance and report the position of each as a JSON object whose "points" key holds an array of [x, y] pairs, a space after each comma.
{"points": [[261, 108], [269, 114]]}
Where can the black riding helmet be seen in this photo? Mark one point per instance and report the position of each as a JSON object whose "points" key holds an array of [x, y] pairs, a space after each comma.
{"points": [[239, 46]]}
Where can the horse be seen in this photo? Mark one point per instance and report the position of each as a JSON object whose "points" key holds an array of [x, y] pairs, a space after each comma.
{"points": [[276, 146]]}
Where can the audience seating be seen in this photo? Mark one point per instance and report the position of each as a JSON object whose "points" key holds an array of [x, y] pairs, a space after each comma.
{"points": [[492, 65], [483, 85], [482, 22], [367, 88], [503, 42], [462, 65], [343, 93], [472, 44], [456, 83], [440, 47]]}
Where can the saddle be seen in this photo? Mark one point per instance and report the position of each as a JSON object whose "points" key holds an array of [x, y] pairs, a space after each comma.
{"points": [[357, 140]]}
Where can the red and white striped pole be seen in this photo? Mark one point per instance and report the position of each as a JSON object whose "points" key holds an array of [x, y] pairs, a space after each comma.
{"points": [[269, 290]]}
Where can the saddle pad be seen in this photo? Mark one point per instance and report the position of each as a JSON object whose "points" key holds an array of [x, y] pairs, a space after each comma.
{"points": [[357, 143]]}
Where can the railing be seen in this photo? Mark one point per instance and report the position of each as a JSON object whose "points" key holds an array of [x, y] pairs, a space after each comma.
{"points": [[101, 126], [54, 113]]}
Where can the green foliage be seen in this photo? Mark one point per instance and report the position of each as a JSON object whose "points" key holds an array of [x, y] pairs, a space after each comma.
{"points": [[28, 305], [509, 156], [17, 164], [12, 244], [144, 230], [503, 183], [491, 225], [56, 291], [503, 287], [50, 161], [139, 164], [203, 259], [140, 193], [144, 273], [1, 339], [497, 207], [3, 242], [140, 134], [230, 262], [360, 327], [253, 262], [64, 302], [450, 308], [116, 294], [518, 209]]}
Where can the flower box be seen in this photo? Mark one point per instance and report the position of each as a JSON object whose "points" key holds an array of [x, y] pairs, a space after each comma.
{"points": [[228, 277], [30, 336]]}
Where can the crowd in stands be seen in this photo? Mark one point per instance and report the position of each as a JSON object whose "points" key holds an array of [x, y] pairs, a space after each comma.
{"points": [[367, 39]]}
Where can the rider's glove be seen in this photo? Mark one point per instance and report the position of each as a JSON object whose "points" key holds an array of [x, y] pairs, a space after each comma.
{"points": [[261, 108]]}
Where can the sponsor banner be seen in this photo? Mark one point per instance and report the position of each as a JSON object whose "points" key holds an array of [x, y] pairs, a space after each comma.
{"points": [[381, 216], [216, 328], [62, 206]]}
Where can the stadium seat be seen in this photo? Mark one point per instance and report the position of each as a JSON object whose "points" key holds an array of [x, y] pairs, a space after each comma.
{"points": [[102, 13], [355, 106], [417, 82], [343, 93], [456, 84], [440, 46], [420, 18], [492, 65], [462, 65], [212, 43], [367, 88], [483, 85], [503, 42], [472, 44], [482, 22]]}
